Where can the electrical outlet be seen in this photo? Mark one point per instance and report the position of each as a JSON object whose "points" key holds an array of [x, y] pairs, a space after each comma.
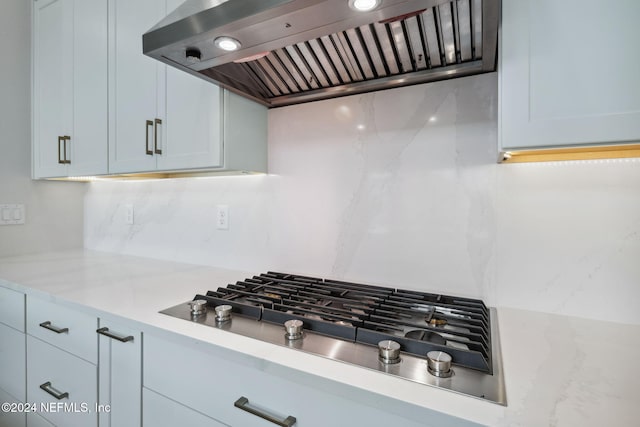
{"points": [[128, 214], [222, 217]]}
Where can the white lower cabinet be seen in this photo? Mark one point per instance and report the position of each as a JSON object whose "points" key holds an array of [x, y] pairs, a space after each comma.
{"points": [[12, 362], [120, 375], [12, 308], [12, 346], [160, 411], [35, 420], [62, 385], [12, 357], [11, 418], [208, 380]]}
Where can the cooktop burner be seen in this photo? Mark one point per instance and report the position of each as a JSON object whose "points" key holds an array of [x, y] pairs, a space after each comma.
{"points": [[416, 325]]}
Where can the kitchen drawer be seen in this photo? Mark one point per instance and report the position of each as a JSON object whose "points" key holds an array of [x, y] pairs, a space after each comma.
{"points": [[65, 373], [12, 308], [203, 378], [11, 418], [78, 334], [35, 420], [162, 412], [12, 362]]}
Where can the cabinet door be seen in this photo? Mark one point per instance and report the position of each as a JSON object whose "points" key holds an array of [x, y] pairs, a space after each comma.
{"points": [[12, 362], [35, 420], [88, 142], [193, 137], [136, 87], [569, 73], [12, 308], [120, 376], [162, 412], [52, 85], [11, 418]]}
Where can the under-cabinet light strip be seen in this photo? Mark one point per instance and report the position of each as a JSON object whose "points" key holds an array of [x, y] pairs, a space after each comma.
{"points": [[568, 154]]}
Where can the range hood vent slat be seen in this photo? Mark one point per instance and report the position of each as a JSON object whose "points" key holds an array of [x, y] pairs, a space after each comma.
{"points": [[346, 51], [303, 66], [381, 32], [371, 45], [476, 23], [445, 17], [399, 38], [292, 69], [362, 55], [333, 58], [432, 37], [414, 34], [321, 49], [464, 30], [307, 54]]}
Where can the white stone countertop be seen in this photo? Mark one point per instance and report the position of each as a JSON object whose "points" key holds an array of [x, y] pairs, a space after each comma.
{"points": [[559, 371]]}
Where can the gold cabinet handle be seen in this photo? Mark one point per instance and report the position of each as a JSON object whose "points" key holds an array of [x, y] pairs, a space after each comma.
{"points": [[146, 142], [156, 124]]}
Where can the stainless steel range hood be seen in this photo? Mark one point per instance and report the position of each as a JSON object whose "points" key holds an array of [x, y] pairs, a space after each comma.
{"points": [[318, 49]]}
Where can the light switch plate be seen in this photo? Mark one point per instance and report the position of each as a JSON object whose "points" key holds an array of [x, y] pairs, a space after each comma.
{"points": [[13, 214]]}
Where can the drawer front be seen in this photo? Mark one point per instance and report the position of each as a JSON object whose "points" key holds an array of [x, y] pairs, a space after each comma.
{"points": [[12, 308], [162, 412], [65, 373], [12, 362], [63, 327], [208, 385], [35, 420], [11, 418], [214, 385]]}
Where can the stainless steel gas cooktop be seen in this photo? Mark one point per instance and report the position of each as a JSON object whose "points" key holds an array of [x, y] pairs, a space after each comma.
{"points": [[437, 340]]}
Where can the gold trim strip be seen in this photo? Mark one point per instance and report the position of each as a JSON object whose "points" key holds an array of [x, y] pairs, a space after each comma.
{"points": [[574, 153]]}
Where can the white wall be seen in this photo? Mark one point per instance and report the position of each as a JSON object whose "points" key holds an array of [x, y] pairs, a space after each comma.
{"points": [[54, 211], [414, 198]]}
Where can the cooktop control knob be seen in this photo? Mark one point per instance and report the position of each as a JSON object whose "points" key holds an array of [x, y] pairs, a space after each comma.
{"points": [[293, 328], [389, 352], [439, 364], [198, 307], [223, 313]]}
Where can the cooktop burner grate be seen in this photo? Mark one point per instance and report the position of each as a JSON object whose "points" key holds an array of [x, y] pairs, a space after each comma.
{"points": [[420, 322]]}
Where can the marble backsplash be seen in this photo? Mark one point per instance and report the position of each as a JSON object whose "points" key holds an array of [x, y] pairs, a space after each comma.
{"points": [[401, 188]]}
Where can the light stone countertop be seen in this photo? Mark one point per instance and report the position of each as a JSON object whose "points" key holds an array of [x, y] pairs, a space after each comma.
{"points": [[559, 371]]}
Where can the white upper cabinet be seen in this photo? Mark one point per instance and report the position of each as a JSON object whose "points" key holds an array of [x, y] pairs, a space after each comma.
{"points": [[569, 73], [194, 127], [164, 119], [136, 99], [69, 88], [102, 107]]}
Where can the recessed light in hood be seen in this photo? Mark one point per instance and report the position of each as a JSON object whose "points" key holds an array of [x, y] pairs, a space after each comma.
{"points": [[297, 51], [228, 44], [364, 5]]}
